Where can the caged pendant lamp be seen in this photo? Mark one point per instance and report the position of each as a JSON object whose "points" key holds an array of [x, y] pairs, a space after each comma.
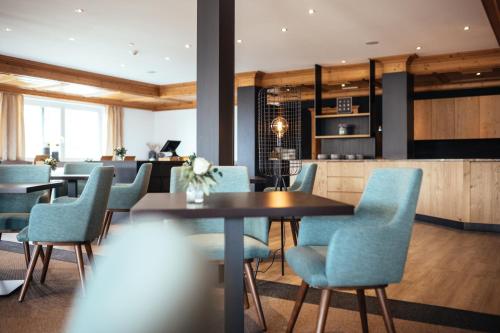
{"points": [[279, 133]]}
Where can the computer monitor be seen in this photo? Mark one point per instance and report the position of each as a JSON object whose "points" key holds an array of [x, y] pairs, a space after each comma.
{"points": [[170, 147]]}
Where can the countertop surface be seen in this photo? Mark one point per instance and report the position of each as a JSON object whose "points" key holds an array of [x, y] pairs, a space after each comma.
{"points": [[415, 160]]}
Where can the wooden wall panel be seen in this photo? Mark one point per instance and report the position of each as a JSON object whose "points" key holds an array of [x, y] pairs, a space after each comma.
{"points": [[443, 118], [489, 119], [485, 192], [467, 118], [422, 116], [321, 181]]}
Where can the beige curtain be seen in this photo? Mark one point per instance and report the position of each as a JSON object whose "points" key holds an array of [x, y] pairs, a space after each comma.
{"points": [[11, 127], [115, 128]]}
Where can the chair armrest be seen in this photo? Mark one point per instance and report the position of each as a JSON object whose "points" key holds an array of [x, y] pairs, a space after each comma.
{"points": [[318, 230], [123, 196], [367, 255]]}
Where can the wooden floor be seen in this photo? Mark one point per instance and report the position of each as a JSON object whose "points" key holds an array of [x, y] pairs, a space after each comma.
{"points": [[445, 267]]}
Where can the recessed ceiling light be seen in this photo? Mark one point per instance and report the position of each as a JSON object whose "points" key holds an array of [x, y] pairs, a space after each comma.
{"points": [[79, 10], [151, 72], [311, 11], [167, 58], [419, 48], [343, 61], [284, 29], [122, 65], [71, 39], [466, 28], [478, 73], [131, 44], [239, 41], [187, 46], [7, 29], [372, 42], [343, 85]]}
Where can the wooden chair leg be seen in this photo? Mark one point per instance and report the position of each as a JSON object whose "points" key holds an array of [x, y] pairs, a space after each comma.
{"points": [[103, 228], [301, 295], [90, 254], [29, 272], [282, 247], [109, 224], [246, 303], [81, 268], [255, 296], [382, 298], [324, 304], [27, 256], [46, 261], [362, 309], [294, 231]]}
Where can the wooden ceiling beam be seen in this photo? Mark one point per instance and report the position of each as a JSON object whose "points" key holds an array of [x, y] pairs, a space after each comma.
{"points": [[95, 100], [456, 62], [492, 9], [11, 65]]}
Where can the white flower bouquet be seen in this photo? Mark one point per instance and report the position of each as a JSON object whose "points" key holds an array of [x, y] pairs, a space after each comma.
{"points": [[52, 162], [199, 173]]}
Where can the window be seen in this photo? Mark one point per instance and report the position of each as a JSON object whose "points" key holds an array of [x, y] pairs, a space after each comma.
{"points": [[76, 130]]}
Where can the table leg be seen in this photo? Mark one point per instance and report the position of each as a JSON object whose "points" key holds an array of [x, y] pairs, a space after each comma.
{"points": [[73, 188], [7, 287], [233, 275]]}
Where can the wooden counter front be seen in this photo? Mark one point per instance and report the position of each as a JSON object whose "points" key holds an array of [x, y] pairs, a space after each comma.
{"points": [[459, 190]]}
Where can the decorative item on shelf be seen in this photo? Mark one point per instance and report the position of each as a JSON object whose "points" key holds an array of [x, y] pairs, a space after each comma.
{"points": [[154, 149], [346, 129], [350, 157], [344, 105], [336, 156], [46, 149], [279, 133], [359, 156], [120, 153], [198, 176], [52, 162], [54, 153], [322, 156]]}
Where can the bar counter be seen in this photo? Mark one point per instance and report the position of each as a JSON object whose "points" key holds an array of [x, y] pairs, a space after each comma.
{"points": [[463, 193]]}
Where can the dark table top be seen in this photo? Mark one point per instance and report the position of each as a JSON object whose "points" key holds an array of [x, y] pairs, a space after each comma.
{"points": [[28, 188], [258, 180], [235, 205], [70, 177]]}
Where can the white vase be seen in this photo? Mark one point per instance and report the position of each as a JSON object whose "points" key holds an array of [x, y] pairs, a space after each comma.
{"points": [[194, 193]]}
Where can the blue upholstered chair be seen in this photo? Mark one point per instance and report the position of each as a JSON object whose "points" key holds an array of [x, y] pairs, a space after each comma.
{"points": [[15, 208], [208, 234], [304, 182], [161, 292], [365, 251], [80, 168], [124, 196], [72, 223]]}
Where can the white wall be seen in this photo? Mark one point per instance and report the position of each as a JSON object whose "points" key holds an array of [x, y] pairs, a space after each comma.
{"points": [[138, 129], [176, 125]]}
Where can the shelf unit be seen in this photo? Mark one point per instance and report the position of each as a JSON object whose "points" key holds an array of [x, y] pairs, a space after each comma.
{"points": [[344, 115], [348, 136]]}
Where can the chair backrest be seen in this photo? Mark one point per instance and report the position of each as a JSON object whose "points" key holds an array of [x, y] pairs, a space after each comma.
{"points": [[106, 157], [173, 305], [234, 179], [40, 159], [93, 202], [80, 168], [305, 179], [125, 197], [11, 174], [129, 158]]}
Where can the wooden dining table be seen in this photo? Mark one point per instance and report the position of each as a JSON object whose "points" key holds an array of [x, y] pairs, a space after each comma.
{"points": [[9, 286], [72, 182], [234, 207]]}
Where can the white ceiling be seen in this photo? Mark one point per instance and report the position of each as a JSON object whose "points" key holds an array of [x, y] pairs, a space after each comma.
{"points": [[159, 28]]}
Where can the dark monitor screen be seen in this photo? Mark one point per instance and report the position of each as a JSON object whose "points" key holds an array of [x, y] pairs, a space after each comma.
{"points": [[170, 146]]}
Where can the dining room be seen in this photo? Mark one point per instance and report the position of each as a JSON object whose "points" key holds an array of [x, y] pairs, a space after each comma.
{"points": [[249, 166]]}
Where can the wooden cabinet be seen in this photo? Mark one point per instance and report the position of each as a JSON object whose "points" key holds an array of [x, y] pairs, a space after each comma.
{"points": [[476, 117], [458, 190]]}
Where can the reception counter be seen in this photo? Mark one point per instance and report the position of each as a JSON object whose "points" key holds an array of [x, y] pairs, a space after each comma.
{"points": [[463, 193]]}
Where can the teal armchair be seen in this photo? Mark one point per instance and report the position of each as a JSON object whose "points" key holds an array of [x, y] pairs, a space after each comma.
{"points": [[15, 208], [208, 234], [365, 251], [304, 182], [74, 223], [124, 196], [80, 168]]}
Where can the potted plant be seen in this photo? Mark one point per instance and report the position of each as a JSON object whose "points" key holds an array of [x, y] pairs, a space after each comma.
{"points": [[198, 176], [120, 153], [52, 162]]}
